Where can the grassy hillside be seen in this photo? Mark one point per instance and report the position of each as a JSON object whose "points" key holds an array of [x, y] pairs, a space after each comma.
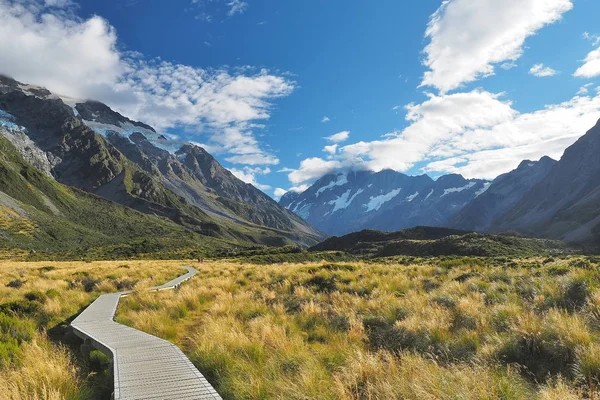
{"points": [[429, 241], [39, 214]]}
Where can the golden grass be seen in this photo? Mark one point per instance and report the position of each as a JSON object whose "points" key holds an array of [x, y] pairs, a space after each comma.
{"points": [[31, 366], [513, 330], [45, 372]]}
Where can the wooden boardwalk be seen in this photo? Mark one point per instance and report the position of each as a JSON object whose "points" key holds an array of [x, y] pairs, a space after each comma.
{"points": [[145, 367]]}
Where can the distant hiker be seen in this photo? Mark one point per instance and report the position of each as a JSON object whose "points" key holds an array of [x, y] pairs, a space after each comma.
{"points": [[200, 260]]}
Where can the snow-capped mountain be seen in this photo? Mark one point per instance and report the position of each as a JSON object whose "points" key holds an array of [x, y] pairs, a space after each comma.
{"points": [[388, 200], [87, 145]]}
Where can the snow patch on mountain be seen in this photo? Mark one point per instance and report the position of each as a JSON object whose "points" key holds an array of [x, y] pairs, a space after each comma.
{"points": [[341, 180], [376, 202], [303, 212], [127, 129], [412, 197], [342, 201], [71, 102], [430, 193], [7, 122], [459, 189], [484, 189]]}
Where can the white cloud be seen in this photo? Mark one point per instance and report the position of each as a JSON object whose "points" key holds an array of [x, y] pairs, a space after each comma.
{"points": [[278, 192], [467, 38], [477, 134], [542, 71], [591, 66], [508, 65], [339, 137], [585, 89], [52, 47], [248, 175], [325, 119], [299, 188], [206, 14], [595, 39], [236, 7], [313, 168], [331, 149]]}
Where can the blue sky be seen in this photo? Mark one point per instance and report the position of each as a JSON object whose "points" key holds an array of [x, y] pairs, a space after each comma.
{"points": [[464, 86]]}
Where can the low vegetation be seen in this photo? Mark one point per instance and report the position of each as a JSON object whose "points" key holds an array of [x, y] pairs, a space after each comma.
{"points": [[431, 329], [430, 241], [400, 327], [38, 357]]}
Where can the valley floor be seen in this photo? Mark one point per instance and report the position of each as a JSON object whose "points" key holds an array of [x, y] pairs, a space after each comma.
{"points": [[441, 328]]}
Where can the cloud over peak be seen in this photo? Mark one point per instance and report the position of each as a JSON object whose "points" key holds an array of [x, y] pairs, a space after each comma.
{"points": [[45, 43]]}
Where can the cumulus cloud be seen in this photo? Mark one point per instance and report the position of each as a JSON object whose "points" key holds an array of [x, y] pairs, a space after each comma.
{"points": [[45, 44], [585, 89], [339, 137], [468, 38], [313, 168], [249, 174], [542, 71], [591, 65], [331, 149], [325, 119], [278, 192], [477, 134]]}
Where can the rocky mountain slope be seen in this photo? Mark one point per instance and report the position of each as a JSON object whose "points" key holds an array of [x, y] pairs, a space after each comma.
{"points": [[346, 202], [566, 203], [86, 145], [487, 211], [41, 215]]}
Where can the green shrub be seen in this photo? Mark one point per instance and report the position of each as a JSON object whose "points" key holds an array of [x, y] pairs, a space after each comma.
{"points": [[383, 334], [125, 284], [89, 284], [15, 284], [575, 295], [22, 307], [36, 296], [322, 283]]}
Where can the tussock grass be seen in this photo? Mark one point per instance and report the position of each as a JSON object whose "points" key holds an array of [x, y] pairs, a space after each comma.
{"points": [[403, 328], [40, 297], [484, 329]]}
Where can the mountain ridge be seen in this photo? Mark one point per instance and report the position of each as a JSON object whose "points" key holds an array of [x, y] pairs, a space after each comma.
{"points": [[545, 198], [127, 162], [341, 203]]}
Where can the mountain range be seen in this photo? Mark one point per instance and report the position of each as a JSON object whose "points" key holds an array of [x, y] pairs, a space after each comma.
{"points": [[341, 203], [75, 174], [84, 146], [545, 198]]}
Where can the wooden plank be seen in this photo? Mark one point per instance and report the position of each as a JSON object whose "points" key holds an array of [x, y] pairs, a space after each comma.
{"points": [[145, 367]]}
